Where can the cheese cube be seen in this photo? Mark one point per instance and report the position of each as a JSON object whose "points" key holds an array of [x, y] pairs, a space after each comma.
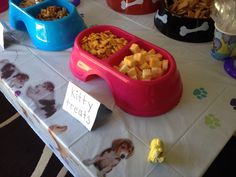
{"points": [[132, 73], [153, 62], [165, 65], [142, 51], [152, 51], [157, 72], [159, 56], [146, 74], [129, 60], [134, 48], [139, 58], [121, 63], [144, 66], [139, 72], [124, 69]]}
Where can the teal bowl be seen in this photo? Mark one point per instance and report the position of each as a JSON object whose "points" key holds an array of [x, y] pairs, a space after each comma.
{"points": [[52, 35]]}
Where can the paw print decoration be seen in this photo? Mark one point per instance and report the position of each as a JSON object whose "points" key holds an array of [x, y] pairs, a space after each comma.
{"points": [[211, 121], [200, 93], [233, 103]]}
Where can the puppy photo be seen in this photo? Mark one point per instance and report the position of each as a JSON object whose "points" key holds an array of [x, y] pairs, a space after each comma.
{"points": [[43, 97], [12, 75], [53, 131], [7, 69], [110, 157]]}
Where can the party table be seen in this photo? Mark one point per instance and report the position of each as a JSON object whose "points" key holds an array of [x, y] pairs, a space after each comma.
{"points": [[193, 132]]}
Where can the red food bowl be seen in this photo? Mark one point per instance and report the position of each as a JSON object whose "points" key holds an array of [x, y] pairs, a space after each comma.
{"points": [[137, 97], [4, 5], [135, 7]]}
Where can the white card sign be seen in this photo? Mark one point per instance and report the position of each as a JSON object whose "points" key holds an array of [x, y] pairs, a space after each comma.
{"points": [[81, 105], [1, 36]]}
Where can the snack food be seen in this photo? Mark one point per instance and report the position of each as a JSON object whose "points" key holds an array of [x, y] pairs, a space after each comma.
{"points": [[52, 13], [142, 64], [191, 8], [103, 44], [28, 3], [156, 151]]}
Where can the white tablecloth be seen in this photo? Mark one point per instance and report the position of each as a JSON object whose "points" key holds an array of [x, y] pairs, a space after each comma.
{"points": [[194, 132]]}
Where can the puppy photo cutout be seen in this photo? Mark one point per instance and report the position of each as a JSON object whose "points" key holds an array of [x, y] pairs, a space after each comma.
{"points": [[12, 75], [43, 97], [104, 162]]}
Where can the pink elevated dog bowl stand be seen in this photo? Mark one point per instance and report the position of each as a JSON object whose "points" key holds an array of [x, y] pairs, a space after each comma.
{"points": [[140, 98]]}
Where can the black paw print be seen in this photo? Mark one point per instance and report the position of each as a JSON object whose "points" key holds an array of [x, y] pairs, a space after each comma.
{"points": [[233, 103]]}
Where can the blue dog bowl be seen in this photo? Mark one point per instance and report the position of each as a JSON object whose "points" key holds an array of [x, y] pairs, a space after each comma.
{"points": [[47, 35]]}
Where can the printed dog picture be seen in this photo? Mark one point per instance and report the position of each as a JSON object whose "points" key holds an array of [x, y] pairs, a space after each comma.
{"points": [[12, 75], [43, 97], [54, 130], [110, 157]]}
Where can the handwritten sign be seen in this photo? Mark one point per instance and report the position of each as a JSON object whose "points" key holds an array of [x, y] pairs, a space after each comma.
{"points": [[81, 105], [1, 36]]}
